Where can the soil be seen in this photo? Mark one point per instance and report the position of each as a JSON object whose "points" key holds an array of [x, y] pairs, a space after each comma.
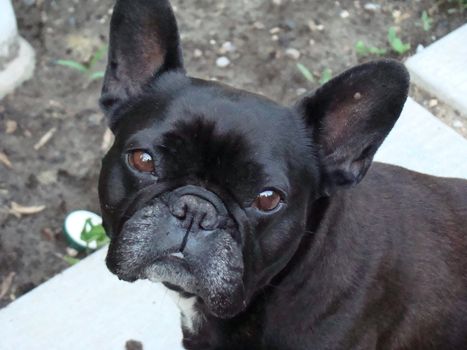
{"points": [[61, 173]]}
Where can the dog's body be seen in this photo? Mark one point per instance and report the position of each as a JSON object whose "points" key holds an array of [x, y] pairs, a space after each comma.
{"points": [[247, 210]]}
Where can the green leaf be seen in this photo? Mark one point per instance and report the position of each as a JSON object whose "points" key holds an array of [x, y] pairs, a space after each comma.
{"points": [[98, 55], [377, 51], [326, 75], [363, 50], [396, 43], [73, 65], [94, 233], [70, 260], [97, 75], [306, 72], [426, 21]]}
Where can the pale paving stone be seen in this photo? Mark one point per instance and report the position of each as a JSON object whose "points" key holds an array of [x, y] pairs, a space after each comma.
{"points": [[421, 142], [441, 69]]}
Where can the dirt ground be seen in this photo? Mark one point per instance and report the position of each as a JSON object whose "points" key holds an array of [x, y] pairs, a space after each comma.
{"points": [[61, 103]]}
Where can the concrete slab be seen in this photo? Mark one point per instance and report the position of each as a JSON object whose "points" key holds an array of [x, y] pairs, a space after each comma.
{"points": [[441, 69], [423, 143], [86, 307]]}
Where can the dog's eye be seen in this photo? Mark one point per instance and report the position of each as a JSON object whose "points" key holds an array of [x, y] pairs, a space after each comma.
{"points": [[141, 161], [267, 200]]}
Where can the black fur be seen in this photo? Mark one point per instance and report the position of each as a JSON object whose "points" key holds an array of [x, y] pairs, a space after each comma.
{"points": [[381, 265]]}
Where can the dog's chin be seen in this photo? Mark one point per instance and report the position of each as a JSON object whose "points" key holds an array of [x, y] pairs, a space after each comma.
{"points": [[221, 298]]}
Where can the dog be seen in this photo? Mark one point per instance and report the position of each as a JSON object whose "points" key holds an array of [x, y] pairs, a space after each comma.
{"points": [[268, 221]]}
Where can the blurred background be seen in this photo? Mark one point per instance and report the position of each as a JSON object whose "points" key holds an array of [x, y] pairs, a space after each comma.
{"points": [[53, 135]]}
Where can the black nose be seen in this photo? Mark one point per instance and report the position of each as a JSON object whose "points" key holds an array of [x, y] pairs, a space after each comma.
{"points": [[195, 212]]}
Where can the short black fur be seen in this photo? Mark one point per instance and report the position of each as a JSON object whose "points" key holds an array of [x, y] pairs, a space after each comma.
{"points": [[354, 256]]}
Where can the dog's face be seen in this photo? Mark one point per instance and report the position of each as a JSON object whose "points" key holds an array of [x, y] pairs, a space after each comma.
{"points": [[207, 188]]}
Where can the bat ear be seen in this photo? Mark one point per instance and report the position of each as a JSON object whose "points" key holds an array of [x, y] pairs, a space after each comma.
{"points": [[351, 115], [144, 43]]}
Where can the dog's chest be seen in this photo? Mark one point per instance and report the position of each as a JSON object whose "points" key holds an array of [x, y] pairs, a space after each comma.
{"points": [[191, 318]]}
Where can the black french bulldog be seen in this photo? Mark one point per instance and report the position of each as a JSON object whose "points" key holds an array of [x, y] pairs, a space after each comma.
{"points": [[247, 208]]}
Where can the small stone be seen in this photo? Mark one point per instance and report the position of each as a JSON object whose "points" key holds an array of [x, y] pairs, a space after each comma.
{"points": [[47, 177], [372, 7], [457, 124], [197, 53], [275, 38], [301, 91], [227, 47], [277, 2], [315, 26], [433, 102], [133, 345], [312, 42], [293, 53], [274, 30], [71, 252], [344, 14], [212, 42], [259, 25], [10, 126], [222, 62], [396, 14]]}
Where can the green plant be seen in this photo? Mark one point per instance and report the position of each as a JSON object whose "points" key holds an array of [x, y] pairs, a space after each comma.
{"points": [[88, 67], [427, 21], [363, 50], [306, 73], [94, 233], [70, 260], [326, 75], [396, 43]]}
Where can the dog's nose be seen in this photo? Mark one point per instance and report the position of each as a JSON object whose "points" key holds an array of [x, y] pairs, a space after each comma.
{"points": [[195, 212]]}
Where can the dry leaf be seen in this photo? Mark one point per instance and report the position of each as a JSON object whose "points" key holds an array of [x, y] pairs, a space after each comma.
{"points": [[44, 139], [18, 210], [6, 284], [4, 160]]}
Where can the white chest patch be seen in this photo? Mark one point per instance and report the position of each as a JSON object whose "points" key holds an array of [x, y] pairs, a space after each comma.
{"points": [[191, 319]]}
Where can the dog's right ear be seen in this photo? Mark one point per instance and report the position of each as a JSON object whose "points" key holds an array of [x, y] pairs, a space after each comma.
{"points": [[144, 42]]}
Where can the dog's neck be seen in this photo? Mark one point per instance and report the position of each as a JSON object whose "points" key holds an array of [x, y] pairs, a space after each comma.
{"points": [[202, 330]]}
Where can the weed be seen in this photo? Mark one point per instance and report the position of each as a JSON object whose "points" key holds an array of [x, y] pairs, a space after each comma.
{"points": [[70, 260], [326, 75], [396, 43], [363, 50], [306, 73], [94, 233], [427, 21], [87, 68]]}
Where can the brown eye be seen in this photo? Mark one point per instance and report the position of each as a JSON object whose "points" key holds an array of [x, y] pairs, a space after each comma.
{"points": [[267, 200], [141, 161]]}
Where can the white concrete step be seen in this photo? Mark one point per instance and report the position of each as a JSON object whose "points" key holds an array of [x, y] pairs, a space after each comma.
{"points": [[423, 143], [441, 69], [86, 307]]}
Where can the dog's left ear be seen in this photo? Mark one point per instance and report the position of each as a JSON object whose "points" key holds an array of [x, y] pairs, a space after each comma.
{"points": [[350, 116], [144, 43]]}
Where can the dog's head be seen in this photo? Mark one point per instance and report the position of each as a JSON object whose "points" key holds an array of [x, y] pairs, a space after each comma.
{"points": [[208, 188]]}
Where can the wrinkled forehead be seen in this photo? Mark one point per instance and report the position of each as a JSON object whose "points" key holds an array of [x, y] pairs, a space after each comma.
{"points": [[268, 127], [212, 130]]}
